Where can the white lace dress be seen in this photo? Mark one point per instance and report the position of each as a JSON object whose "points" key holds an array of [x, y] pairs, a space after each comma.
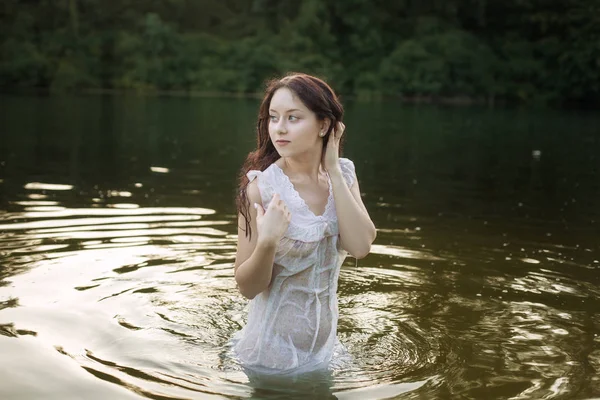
{"points": [[292, 325]]}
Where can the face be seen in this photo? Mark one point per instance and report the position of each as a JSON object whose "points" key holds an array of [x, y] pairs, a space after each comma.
{"points": [[293, 128]]}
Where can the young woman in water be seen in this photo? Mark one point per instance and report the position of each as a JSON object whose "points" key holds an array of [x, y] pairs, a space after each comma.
{"points": [[300, 215]]}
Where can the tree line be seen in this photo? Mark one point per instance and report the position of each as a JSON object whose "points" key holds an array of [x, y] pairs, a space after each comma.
{"points": [[534, 51]]}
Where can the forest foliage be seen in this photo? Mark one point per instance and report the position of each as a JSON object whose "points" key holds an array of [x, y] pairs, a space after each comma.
{"points": [[542, 51]]}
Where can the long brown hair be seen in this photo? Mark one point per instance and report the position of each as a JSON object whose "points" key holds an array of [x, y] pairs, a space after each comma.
{"points": [[317, 96]]}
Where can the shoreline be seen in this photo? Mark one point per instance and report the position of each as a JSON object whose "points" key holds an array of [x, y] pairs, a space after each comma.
{"points": [[458, 100]]}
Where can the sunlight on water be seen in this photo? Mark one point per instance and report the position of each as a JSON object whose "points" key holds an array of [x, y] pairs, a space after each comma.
{"points": [[160, 278], [106, 287], [108, 272], [47, 186], [160, 170], [35, 203], [128, 206], [401, 252]]}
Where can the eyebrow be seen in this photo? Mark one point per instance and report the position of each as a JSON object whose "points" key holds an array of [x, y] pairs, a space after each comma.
{"points": [[290, 110]]}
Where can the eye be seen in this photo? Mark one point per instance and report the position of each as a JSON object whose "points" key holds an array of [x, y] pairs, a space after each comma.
{"points": [[273, 118], [293, 118]]}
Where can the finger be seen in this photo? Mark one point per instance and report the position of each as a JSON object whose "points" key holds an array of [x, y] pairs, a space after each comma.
{"points": [[282, 204], [274, 200], [260, 211], [341, 129]]}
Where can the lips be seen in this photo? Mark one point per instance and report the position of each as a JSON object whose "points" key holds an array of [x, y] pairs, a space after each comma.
{"points": [[282, 142]]}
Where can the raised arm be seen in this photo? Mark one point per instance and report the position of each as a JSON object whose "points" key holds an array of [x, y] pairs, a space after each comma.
{"points": [[357, 231]]}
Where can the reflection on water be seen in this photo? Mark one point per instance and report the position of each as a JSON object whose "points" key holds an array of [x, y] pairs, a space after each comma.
{"points": [[117, 241]]}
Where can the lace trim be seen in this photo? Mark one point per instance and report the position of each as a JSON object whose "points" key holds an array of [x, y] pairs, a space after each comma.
{"points": [[299, 201], [318, 226], [252, 174], [312, 233], [264, 187]]}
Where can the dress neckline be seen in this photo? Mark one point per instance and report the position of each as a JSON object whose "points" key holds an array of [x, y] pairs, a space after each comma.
{"points": [[299, 198]]}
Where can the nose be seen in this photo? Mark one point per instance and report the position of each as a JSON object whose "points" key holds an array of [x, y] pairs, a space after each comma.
{"points": [[281, 128]]}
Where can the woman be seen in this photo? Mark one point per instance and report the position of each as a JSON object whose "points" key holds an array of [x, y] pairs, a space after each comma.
{"points": [[306, 216]]}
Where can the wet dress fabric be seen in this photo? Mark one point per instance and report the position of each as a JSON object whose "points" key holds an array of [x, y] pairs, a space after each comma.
{"points": [[292, 325]]}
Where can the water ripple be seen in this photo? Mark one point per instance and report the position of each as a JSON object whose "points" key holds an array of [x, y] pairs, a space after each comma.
{"points": [[143, 298]]}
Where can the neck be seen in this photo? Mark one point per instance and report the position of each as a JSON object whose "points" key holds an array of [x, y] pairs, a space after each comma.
{"points": [[304, 165]]}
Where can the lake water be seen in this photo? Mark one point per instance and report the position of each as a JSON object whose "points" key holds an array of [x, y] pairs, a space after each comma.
{"points": [[118, 235]]}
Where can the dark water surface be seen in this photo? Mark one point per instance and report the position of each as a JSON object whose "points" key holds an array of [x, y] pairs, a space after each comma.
{"points": [[117, 238]]}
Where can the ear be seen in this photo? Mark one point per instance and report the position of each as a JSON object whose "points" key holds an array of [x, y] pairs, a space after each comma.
{"points": [[325, 124]]}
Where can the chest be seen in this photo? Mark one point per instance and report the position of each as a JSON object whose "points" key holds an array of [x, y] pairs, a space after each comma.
{"points": [[314, 195]]}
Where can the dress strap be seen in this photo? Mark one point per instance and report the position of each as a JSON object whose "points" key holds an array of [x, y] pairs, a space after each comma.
{"points": [[348, 171], [252, 174], [265, 186]]}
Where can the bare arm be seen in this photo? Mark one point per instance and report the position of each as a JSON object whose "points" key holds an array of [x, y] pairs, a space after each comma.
{"points": [[254, 274], [357, 231], [254, 258]]}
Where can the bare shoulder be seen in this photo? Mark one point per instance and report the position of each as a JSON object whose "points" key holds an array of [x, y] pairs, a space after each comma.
{"points": [[252, 196], [253, 192], [246, 243]]}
